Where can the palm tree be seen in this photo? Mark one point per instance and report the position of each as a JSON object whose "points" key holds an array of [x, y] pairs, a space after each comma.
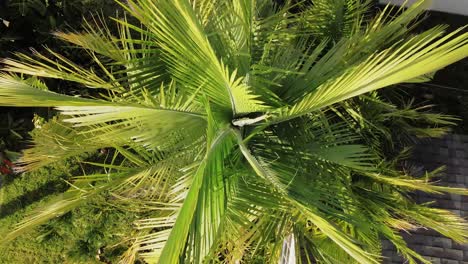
{"points": [[232, 128]]}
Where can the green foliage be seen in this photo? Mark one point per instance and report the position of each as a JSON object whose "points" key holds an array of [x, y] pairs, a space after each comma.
{"points": [[92, 233], [236, 127]]}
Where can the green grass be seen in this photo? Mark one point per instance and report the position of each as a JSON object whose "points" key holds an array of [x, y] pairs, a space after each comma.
{"points": [[77, 237]]}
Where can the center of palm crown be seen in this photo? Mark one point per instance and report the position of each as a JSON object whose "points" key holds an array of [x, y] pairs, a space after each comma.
{"points": [[248, 119]]}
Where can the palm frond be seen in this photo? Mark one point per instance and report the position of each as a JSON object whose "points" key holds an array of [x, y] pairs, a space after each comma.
{"points": [[335, 19], [15, 92], [56, 141], [58, 67], [96, 38], [382, 32], [187, 50], [154, 126], [397, 64], [209, 165], [340, 238]]}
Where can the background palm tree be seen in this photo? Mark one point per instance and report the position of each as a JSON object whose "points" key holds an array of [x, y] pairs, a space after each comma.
{"points": [[235, 125]]}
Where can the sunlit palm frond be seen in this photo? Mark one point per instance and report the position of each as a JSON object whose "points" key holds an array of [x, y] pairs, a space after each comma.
{"points": [[187, 50], [16, 92], [420, 55], [149, 126], [198, 189]]}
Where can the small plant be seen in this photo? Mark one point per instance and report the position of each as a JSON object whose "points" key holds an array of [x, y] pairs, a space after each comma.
{"points": [[232, 128], [6, 166]]}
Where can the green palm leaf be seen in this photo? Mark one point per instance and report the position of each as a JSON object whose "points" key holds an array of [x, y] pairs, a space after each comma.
{"points": [[397, 64]]}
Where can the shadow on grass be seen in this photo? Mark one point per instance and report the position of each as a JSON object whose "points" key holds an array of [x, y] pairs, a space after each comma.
{"points": [[30, 197]]}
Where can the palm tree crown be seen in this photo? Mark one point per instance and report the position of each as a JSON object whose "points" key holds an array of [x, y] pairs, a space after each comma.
{"points": [[232, 128]]}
